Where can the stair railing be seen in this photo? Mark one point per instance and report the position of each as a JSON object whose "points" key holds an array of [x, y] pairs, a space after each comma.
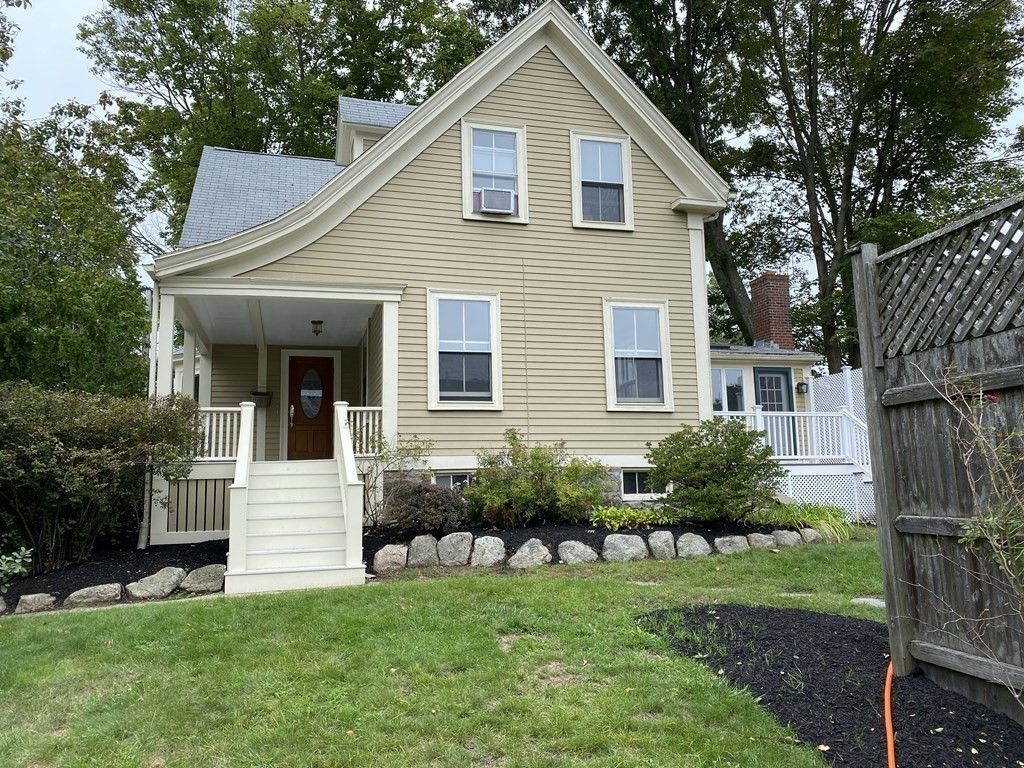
{"points": [[351, 486], [238, 492]]}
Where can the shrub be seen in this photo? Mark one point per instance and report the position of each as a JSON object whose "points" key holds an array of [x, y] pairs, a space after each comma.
{"points": [[614, 518], [828, 520], [717, 470], [12, 565], [544, 483], [390, 464], [420, 507], [73, 465]]}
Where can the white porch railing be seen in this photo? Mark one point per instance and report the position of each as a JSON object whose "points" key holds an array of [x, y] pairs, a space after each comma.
{"points": [[351, 485], [808, 436], [366, 426], [220, 432], [239, 490]]}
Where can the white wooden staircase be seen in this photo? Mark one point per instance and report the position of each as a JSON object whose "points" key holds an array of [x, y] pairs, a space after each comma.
{"points": [[295, 524]]}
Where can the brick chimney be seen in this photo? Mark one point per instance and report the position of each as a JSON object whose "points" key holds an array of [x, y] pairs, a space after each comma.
{"points": [[769, 303]]}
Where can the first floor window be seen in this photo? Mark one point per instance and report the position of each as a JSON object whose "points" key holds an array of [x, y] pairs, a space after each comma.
{"points": [[637, 341], [727, 389], [454, 480], [464, 350], [637, 482]]}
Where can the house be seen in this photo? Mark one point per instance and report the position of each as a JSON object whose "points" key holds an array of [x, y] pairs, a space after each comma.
{"points": [[523, 250]]}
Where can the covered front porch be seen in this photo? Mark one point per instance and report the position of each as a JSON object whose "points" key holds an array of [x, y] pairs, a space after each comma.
{"points": [[296, 383]]}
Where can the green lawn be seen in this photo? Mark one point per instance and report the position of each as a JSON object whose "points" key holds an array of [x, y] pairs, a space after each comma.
{"points": [[467, 669]]}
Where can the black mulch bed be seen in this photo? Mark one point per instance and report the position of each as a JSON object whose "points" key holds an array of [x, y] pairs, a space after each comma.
{"points": [[823, 676], [118, 566], [552, 535]]}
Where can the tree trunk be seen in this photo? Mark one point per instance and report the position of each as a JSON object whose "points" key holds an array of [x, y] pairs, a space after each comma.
{"points": [[728, 277]]}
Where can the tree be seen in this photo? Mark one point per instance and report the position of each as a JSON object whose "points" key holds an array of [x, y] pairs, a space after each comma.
{"points": [[260, 75], [72, 313], [867, 110]]}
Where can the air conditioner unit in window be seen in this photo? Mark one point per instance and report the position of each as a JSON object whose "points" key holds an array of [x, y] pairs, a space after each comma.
{"points": [[497, 200]]}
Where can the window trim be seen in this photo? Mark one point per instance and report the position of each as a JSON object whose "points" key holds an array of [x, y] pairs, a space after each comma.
{"points": [[434, 402], [725, 395], [638, 496], [467, 172], [577, 182], [666, 357]]}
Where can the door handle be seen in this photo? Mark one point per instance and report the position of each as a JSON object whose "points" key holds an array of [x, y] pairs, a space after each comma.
{"points": [[291, 416]]}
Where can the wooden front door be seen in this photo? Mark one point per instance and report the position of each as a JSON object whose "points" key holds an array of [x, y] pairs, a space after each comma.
{"points": [[310, 407]]}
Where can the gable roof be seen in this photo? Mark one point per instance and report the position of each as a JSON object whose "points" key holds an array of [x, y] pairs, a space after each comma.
{"points": [[237, 190], [383, 114], [702, 190]]}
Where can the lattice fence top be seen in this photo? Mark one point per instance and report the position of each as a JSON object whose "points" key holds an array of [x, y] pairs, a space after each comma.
{"points": [[964, 281], [839, 390]]}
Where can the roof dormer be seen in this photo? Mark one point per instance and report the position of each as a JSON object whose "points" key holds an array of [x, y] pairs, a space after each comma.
{"points": [[362, 122]]}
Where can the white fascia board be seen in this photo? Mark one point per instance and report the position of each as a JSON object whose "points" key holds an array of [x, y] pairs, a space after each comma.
{"points": [[249, 287], [549, 26]]}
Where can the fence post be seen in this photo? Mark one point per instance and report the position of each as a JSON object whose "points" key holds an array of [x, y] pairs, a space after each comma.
{"points": [[846, 434], [759, 424], [848, 386], [811, 405]]}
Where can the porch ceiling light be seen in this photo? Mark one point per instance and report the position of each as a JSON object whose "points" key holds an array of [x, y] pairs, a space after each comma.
{"points": [[318, 326]]}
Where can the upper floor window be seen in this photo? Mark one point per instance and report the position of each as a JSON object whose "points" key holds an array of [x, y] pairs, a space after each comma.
{"points": [[494, 172], [638, 368], [464, 357], [601, 182], [727, 389]]}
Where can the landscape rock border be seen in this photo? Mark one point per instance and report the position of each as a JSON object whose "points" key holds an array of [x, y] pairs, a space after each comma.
{"points": [[458, 549]]}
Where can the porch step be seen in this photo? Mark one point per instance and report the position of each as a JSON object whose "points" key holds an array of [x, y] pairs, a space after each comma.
{"points": [[312, 467], [268, 481], [294, 540], [289, 523], [296, 494], [300, 557], [278, 579]]}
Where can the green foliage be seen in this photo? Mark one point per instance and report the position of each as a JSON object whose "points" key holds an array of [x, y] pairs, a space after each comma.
{"points": [[261, 75], [14, 565], [718, 470], [827, 519], [520, 485], [73, 466], [421, 507], [615, 518], [389, 463], [72, 313]]}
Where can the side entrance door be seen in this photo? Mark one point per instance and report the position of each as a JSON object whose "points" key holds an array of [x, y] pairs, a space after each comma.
{"points": [[774, 392], [310, 408]]}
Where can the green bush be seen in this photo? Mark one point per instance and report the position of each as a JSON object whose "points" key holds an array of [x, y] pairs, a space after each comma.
{"points": [[520, 484], [420, 507], [828, 520], [13, 565], [73, 466], [615, 518], [717, 470]]}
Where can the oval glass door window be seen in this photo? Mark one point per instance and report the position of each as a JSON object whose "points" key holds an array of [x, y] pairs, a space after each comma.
{"points": [[311, 395]]}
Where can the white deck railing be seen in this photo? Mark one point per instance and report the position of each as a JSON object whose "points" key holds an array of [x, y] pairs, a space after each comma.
{"points": [[365, 424], [351, 485], [809, 436], [220, 432]]}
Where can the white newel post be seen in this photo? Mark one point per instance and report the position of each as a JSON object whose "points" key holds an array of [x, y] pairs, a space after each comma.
{"points": [[238, 498], [846, 433], [848, 386], [188, 365], [351, 487]]}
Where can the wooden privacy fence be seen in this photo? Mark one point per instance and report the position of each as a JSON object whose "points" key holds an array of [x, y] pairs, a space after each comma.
{"points": [[948, 305]]}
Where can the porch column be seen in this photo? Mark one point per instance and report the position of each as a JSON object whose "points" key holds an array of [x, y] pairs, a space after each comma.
{"points": [[389, 373], [701, 334], [188, 365], [205, 379], [154, 313], [165, 347]]}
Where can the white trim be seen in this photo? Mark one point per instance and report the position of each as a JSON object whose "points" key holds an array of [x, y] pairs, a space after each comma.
{"points": [[256, 288], [165, 346], [205, 379], [335, 355], [668, 405], [522, 186], [154, 315], [434, 402], [549, 26], [389, 372], [701, 334], [636, 496], [744, 374], [577, 181]]}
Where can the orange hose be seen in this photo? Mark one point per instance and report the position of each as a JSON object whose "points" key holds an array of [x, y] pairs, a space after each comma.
{"points": [[890, 734]]}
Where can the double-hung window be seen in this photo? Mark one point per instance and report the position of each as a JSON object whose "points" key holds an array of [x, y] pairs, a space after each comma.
{"points": [[638, 366], [464, 351], [601, 179], [494, 172], [727, 389]]}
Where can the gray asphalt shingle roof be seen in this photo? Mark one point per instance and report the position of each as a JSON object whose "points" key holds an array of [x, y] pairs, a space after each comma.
{"points": [[236, 190], [380, 113]]}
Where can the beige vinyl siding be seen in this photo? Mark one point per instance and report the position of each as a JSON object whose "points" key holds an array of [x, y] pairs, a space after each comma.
{"points": [[232, 374], [552, 278], [375, 373], [350, 372], [369, 141]]}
